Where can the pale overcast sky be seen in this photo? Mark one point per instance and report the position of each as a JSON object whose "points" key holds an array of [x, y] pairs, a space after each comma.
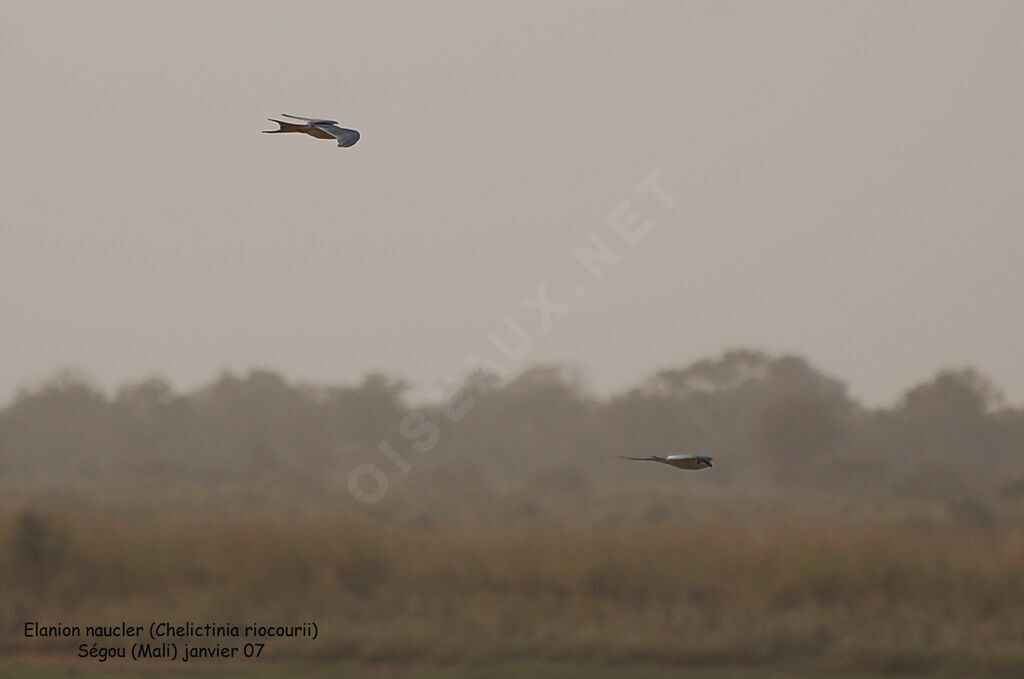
{"points": [[846, 180]]}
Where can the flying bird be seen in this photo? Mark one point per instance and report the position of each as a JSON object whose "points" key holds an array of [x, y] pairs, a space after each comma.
{"points": [[320, 128], [678, 461]]}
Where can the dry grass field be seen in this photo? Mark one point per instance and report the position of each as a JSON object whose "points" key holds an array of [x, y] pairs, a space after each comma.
{"points": [[652, 577]]}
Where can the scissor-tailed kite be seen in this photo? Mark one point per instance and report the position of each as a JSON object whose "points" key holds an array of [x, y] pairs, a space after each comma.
{"points": [[678, 461], [320, 128]]}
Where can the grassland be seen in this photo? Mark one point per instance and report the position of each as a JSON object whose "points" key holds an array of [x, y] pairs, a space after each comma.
{"points": [[534, 670], [476, 583]]}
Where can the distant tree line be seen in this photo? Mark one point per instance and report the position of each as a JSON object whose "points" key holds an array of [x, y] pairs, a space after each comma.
{"points": [[768, 421]]}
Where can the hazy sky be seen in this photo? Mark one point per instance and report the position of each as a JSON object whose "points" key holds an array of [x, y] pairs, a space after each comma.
{"points": [[846, 179]]}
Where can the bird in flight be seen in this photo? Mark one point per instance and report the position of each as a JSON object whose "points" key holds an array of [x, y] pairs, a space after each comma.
{"points": [[320, 128], [678, 461]]}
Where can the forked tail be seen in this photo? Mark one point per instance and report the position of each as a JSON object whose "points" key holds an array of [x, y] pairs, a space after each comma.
{"points": [[285, 127]]}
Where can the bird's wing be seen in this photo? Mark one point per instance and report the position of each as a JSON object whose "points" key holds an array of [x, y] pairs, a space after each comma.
{"points": [[344, 136], [651, 458], [315, 121]]}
